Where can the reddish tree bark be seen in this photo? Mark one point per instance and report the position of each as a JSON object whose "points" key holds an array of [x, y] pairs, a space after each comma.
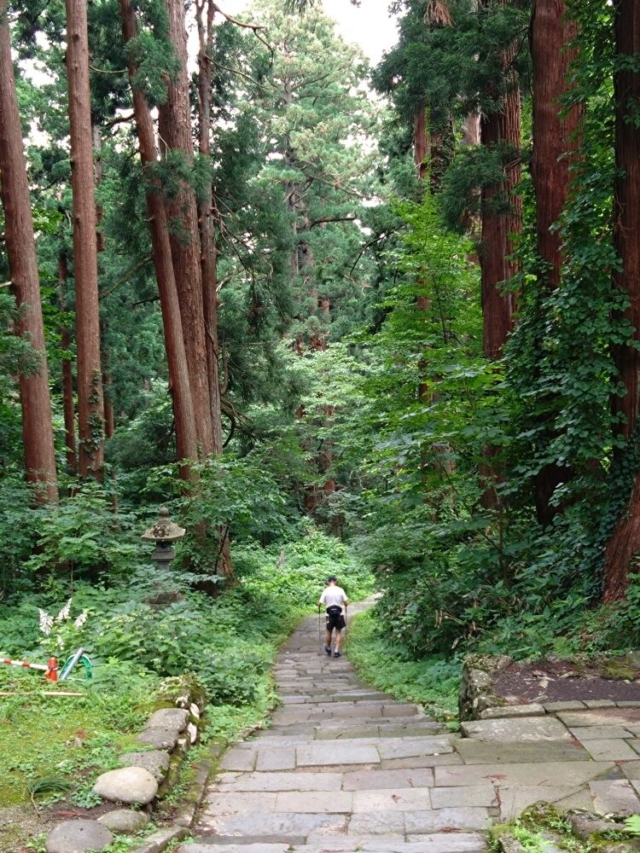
{"points": [[180, 388], [555, 147], [420, 142], [496, 263], [555, 130], [500, 130], [85, 248], [37, 430], [174, 126], [625, 542]]}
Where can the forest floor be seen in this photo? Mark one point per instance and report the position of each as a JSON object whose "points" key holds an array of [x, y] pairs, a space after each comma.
{"points": [[598, 679]]}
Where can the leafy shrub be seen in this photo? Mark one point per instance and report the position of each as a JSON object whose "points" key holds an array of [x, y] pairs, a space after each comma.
{"points": [[433, 681], [83, 537], [19, 524]]}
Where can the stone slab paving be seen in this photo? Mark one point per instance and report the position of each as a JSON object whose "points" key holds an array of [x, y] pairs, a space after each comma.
{"points": [[344, 768]]}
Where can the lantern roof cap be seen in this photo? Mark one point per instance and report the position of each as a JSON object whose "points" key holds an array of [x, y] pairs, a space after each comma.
{"points": [[164, 530]]}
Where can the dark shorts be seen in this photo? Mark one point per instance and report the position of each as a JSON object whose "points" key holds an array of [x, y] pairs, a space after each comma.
{"points": [[335, 619]]}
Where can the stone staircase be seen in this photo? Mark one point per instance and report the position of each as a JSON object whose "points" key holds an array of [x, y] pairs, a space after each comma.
{"points": [[342, 768], [345, 768]]}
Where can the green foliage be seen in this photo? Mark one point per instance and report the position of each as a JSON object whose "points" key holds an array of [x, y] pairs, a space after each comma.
{"points": [[82, 537], [632, 824], [433, 681]]}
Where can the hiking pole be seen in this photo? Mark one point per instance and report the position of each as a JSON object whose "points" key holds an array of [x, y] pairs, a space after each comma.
{"points": [[319, 630]]}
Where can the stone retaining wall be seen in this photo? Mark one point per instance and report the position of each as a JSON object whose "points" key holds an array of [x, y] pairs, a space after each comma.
{"points": [[476, 694], [146, 777]]}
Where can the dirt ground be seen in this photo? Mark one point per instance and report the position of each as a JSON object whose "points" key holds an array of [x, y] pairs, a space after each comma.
{"points": [[20, 824], [554, 680]]}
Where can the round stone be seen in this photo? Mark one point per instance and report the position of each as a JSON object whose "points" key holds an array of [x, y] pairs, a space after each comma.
{"points": [[168, 718], [124, 820], [78, 836], [133, 785]]}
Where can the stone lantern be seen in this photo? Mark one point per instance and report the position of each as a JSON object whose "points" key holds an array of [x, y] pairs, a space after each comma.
{"points": [[164, 533]]}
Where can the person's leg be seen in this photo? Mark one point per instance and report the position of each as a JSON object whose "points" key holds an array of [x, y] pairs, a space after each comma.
{"points": [[327, 642], [336, 647]]}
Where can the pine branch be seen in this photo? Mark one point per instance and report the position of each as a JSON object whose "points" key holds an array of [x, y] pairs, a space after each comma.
{"points": [[125, 278], [332, 219]]}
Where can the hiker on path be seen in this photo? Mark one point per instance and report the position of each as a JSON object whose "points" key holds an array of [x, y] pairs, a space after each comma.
{"points": [[335, 602]]}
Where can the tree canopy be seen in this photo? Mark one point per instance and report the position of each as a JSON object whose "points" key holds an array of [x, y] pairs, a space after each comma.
{"points": [[400, 301]]}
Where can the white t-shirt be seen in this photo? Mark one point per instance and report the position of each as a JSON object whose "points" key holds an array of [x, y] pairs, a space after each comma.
{"points": [[334, 595]]}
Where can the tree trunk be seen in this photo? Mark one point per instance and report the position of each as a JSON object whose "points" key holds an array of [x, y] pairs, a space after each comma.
{"points": [[626, 214], [37, 430], [625, 542], [421, 142], [500, 130], [85, 248], [209, 258], [555, 130], [67, 376], [496, 264], [180, 388], [206, 221], [175, 131], [555, 146]]}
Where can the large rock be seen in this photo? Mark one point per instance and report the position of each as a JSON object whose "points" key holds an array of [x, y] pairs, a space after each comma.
{"points": [[133, 785], [169, 718], [159, 738], [156, 761], [78, 836], [124, 820]]}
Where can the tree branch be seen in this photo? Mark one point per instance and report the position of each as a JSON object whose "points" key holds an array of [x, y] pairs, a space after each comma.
{"points": [[118, 120], [125, 278], [332, 219]]}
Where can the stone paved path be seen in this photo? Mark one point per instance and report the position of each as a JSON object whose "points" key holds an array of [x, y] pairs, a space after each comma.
{"points": [[345, 768]]}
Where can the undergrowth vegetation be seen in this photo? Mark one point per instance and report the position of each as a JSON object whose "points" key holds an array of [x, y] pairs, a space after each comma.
{"points": [[432, 681], [140, 631]]}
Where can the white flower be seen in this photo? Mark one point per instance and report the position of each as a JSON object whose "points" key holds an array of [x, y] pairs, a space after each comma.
{"points": [[82, 618], [46, 622], [64, 613]]}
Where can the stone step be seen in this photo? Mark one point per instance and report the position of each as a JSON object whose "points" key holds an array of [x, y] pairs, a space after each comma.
{"points": [[351, 729], [321, 697], [440, 842]]}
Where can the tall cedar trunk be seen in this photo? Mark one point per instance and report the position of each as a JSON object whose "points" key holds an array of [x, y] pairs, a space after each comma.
{"points": [[625, 542], [555, 145], [420, 142], [186, 440], [555, 130], [207, 222], [67, 376], [107, 390], [85, 249], [174, 127], [499, 130], [496, 266], [37, 430]]}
